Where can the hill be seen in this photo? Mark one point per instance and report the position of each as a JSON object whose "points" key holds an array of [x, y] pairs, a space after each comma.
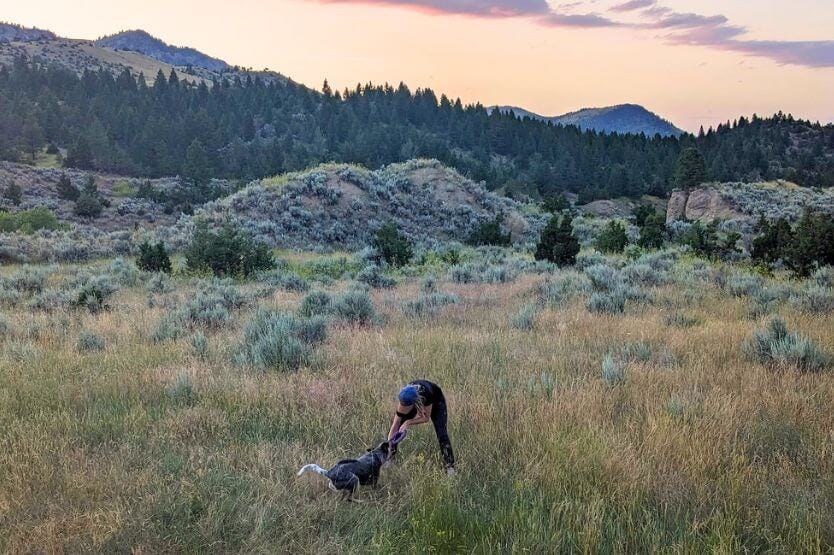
{"points": [[10, 32], [623, 118], [143, 43], [332, 206]]}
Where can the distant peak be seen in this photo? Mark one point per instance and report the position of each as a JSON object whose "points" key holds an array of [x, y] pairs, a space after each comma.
{"points": [[11, 32], [138, 40], [620, 118]]}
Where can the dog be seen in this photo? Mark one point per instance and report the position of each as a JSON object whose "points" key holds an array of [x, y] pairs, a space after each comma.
{"points": [[348, 474]]}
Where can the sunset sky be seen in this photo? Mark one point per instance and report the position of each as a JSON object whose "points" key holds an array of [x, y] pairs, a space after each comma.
{"points": [[694, 62]]}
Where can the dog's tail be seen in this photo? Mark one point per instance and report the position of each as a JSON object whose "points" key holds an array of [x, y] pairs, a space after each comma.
{"points": [[313, 468]]}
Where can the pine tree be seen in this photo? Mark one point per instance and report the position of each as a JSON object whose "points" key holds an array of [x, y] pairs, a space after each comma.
{"points": [[32, 137], [196, 170], [557, 243], [691, 170], [153, 258], [392, 246], [66, 190], [613, 238], [13, 193], [653, 231]]}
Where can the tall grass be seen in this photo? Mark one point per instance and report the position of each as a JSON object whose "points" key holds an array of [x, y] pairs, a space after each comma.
{"points": [[146, 447]]}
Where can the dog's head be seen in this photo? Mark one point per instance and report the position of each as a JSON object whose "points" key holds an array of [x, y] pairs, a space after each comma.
{"points": [[381, 452]]}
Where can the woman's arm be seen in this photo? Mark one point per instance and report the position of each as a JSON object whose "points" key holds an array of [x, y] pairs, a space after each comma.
{"points": [[421, 418], [395, 426]]}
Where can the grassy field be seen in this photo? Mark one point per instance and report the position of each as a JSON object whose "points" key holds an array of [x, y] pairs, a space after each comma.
{"points": [[650, 430]]}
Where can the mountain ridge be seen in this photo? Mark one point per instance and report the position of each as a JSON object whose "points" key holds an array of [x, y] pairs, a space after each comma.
{"points": [[138, 40], [619, 118]]}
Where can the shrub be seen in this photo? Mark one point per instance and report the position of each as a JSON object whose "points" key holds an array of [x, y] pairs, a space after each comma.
{"points": [[525, 318], [5, 326], [317, 303], [13, 193], [392, 246], [66, 190], [464, 273], [639, 351], [824, 277], [168, 328], [89, 341], [778, 347], [605, 278], [567, 285], [199, 342], [89, 203], [227, 252], [92, 296], [280, 341], [355, 307], [557, 243], [124, 273], [430, 303], [159, 284], [814, 299], [644, 274], [613, 238], [372, 275], [153, 258], [27, 280], [28, 221], [607, 303], [613, 371], [489, 233]]}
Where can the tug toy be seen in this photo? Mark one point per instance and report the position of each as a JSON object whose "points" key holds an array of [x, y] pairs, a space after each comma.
{"points": [[398, 437]]}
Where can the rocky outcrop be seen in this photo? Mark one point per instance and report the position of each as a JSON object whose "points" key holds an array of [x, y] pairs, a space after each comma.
{"points": [[705, 204]]}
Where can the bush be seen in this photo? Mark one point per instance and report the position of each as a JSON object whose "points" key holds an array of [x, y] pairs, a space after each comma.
{"points": [[814, 299], [93, 297], [153, 258], [88, 342], [557, 243], [372, 275], [489, 233], [430, 303], [652, 231], [28, 221], [227, 252], [168, 328], [778, 347], [89, 203], [392, 246], [317, 303], [280, 341], [613, 371], [555, 293], [199, 342], [525, 318], [607, 303], [66, 190], [613, 238], [355, 307], [13, 193]]}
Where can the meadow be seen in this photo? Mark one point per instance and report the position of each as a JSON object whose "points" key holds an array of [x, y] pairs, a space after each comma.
{"points": [[630, 404]]}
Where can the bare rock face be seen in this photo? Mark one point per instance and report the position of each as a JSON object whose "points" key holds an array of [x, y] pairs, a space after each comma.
{"points": [[705, 204], [676, 207]]}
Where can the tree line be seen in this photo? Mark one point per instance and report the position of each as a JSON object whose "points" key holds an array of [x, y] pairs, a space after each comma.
{"points": [[250, 129]]}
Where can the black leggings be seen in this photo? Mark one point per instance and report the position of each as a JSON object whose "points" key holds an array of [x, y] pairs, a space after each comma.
{"points": [[439, 417]]}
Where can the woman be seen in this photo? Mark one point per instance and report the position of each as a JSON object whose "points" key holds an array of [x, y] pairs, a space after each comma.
{"points": [[419, 402]]}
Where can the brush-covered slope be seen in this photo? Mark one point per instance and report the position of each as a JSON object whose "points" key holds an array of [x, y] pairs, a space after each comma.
{"points": [[11, 32], [623, 118], [341, 206], [143, 43]]}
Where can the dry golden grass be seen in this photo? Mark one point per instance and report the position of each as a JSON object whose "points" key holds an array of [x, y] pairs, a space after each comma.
{"points": [[698, 449]]}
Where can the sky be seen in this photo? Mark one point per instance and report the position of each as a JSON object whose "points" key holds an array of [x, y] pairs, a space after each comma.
{"points": [[694, 62]]}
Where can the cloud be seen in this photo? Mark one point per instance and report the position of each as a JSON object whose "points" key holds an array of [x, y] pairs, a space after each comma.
{"points": [[587, 21], [633, 5], [682, 28], [479, 8]]}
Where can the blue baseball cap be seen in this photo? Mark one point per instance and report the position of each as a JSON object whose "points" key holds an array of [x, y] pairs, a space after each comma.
{"points": [[408, 395]]}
